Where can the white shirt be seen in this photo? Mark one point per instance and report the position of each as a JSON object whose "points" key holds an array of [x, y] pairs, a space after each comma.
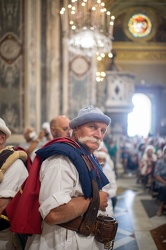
{"points": [[13, 179], [59, 183], [10, 185], [110, 188]]}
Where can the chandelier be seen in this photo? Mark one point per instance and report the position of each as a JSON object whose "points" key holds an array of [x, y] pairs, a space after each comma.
{"points": [[90, 26]]}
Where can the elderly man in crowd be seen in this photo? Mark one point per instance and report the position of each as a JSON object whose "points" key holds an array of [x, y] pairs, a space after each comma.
{"points": [[59, 126], [70, 189], [33, 141], [12, 174]]}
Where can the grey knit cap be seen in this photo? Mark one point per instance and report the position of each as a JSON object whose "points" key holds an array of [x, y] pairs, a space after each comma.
{"points": [[89, 114]]}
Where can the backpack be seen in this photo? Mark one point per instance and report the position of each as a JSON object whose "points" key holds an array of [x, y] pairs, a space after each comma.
{"points": [[23, 209]]}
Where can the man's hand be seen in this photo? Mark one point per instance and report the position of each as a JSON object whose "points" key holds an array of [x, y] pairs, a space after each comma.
{"points": [[103, 200], [41, 135]]}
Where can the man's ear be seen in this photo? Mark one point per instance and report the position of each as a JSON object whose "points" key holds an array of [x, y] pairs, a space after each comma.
{"points": [[2, 138], [53, 132], [74, 130]]}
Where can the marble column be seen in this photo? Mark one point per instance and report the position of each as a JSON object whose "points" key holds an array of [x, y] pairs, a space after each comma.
{"points": [[118, 104], [53, 59], [32, 63]]}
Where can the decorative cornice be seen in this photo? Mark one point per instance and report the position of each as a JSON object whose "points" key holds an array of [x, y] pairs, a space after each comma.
{"points": [[157, 56], [152, 53]]}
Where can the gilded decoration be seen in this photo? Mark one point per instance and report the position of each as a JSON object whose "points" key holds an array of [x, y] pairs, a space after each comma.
{"points": [[140, 24], [139, 55]]}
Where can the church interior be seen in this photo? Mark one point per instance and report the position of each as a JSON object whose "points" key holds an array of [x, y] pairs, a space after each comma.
{"points": [[47, 69]]}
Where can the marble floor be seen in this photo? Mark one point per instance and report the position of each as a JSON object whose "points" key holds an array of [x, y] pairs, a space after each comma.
{"points": [[139, 228]]}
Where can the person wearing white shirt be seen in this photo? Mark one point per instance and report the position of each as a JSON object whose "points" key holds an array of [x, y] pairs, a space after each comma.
{"points": [[10, 183]]}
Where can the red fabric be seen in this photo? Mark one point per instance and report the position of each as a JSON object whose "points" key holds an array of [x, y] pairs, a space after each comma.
{"points": [[28, 162], [23, 209], [28, 165]]}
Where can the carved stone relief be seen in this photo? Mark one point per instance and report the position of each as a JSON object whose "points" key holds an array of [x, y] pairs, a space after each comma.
{"points": [[11, 61], [81, 85], [120, 88]]}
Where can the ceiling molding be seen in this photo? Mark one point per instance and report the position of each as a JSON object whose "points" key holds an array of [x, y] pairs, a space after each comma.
{"points": [[118, 7]]}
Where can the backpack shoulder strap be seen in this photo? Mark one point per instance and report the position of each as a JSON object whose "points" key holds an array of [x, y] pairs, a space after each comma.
{"points": [[8, 157], [4, 154]]}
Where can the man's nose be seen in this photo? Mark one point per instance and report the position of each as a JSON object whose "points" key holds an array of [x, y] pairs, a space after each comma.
{"points": [[98, 133], [68, 131]]}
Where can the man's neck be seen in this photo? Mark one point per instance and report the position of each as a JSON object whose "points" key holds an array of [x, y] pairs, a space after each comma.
{"points": [[2, 147], [86, 148]]}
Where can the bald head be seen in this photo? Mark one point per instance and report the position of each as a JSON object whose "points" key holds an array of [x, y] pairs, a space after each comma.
{"points": [[59, 126]]}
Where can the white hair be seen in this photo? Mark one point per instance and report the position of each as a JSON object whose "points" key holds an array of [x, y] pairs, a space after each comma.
{"points": [[88, 138], [150, 147]]}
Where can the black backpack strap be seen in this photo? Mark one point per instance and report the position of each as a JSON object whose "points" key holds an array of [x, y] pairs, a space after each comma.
{"points": [[4, 155]]}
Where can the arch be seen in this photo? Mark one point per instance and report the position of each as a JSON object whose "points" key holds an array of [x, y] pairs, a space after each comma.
{"points": [[139, 120]]}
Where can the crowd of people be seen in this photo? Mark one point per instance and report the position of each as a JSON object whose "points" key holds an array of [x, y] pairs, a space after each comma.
{"points": [[146, 158], [58, 189]]}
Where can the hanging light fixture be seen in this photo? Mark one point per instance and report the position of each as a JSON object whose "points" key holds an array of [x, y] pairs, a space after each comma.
{"points": [[103, 61], [90, 26]]}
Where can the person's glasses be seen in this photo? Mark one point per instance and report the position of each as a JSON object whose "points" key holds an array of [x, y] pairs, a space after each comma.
{"points": [[63, 129]]}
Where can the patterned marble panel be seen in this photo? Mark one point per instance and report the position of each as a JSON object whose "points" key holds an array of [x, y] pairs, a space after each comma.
{"points": [[11, 64], [139, 227]]}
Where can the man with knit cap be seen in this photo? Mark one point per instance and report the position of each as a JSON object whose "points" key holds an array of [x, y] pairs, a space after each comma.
{"points": [[12, 175], [68, 176]]}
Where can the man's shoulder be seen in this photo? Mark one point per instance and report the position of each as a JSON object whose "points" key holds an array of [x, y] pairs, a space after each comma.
{"points": [[63, 146], [18, 166], [56, 162], [58, 159], [18, 162]]}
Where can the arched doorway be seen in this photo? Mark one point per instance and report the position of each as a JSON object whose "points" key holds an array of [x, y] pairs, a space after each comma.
{"points": [[139, 120]]}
